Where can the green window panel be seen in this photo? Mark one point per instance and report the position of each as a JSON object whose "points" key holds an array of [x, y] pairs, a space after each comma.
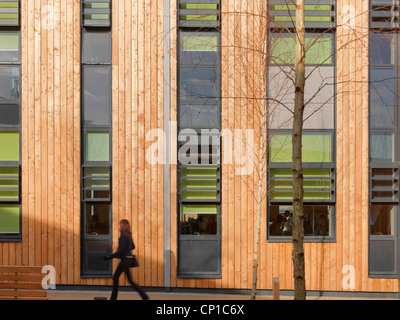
{"points": [[316, 148], [199, 6], [97, 177], [96, 13], [199, 172], [199, 195], [318, 49], [9, 219], [198, 183], [9, 13], [199, 209], [314, 178], [9, 146], [199, 42], [198, 18], [97, 147]]}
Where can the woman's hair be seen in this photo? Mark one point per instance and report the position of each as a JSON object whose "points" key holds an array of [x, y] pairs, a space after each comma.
{"points": [[125, 226]]}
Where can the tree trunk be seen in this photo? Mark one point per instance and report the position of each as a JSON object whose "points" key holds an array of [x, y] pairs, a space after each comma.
{"points": [[259, 206], [298, 189]]}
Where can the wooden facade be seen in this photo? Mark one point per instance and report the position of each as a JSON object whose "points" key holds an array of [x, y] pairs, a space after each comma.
{"points": [[51, 143]]}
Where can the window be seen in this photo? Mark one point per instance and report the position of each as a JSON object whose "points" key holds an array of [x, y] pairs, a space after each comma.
{"points": [[384, 138], [199, 114], [96, 172], [10, 122], [318, 147]]}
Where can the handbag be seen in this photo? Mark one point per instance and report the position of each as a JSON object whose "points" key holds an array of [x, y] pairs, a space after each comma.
{"points": [[133, 262]]}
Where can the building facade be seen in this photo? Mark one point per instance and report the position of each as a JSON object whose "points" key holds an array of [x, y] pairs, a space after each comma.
{"points": [[101, 103]]}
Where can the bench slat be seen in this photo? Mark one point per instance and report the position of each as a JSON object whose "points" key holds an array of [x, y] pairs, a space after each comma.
{"points": [[36, 278], [24, 298], [7, 269], [23, 293], [27, 285]]}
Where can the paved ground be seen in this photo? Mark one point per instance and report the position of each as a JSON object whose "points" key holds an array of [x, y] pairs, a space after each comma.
{"points": [[89, 295]]}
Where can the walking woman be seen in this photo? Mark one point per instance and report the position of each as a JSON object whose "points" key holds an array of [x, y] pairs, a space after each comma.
{"points": [[124, 253]]}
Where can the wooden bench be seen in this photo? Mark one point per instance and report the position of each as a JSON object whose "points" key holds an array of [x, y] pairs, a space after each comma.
{"points": [[22, 283]]}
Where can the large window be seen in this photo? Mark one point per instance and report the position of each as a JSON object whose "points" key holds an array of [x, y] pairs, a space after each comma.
{"points": [[10, 122], [384, 139], [318, 148], [199, 114], [96, 138]]}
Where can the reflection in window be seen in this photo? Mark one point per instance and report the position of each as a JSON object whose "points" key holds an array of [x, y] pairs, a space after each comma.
{"points": [[97, 219], [382, 220], [199, 219], [382, 48], [317, 221], [382, 147], [382, 97]]}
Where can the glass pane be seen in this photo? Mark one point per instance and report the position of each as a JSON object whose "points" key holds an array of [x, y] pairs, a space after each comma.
{"points": [[9, 115], [199, 220], [97, 95], [317, 221], [97, 219], [9, 146], [93, 253], [9, 46], [382, 220], [201, 83], [97, 177], [382, 256], [317, 147], [199, 48], [382, 147], [97, 146], [382, 97], [9, 84], [382, 49], [96, 47], [9, 219], [198, 116], [319, 49]]}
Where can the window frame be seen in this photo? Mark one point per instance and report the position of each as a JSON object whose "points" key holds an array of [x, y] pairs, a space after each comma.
{"points": [[16, 237], [312, 30]]}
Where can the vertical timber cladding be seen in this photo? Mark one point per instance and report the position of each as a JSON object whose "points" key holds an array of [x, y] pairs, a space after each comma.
{"points": [[96, 155], [199, 173], [10, 122]]}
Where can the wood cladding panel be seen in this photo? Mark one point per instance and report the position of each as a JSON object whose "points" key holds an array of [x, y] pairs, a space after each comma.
{"points": [[51, 144], [51, 141]]}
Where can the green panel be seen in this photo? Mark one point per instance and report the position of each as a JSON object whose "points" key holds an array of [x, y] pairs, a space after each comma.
{"points": [[307, 19], [316, 148], [199, 172], [199, 42], [9, 171], [97, 16], [9, 219], [199, 6], [9, 41], [287, 183], [306, 8], [283, 49], [97, 146], [9, 146], [8, 4], [198, 183], [199, 209], [199, 18], [199, 195], [97, 5]]}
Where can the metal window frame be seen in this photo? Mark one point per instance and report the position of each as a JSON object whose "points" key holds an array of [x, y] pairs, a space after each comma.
{"points": [[18, 25], [95, 26], [313, 30], [94, 164], [212, 28], [14, 164]]}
